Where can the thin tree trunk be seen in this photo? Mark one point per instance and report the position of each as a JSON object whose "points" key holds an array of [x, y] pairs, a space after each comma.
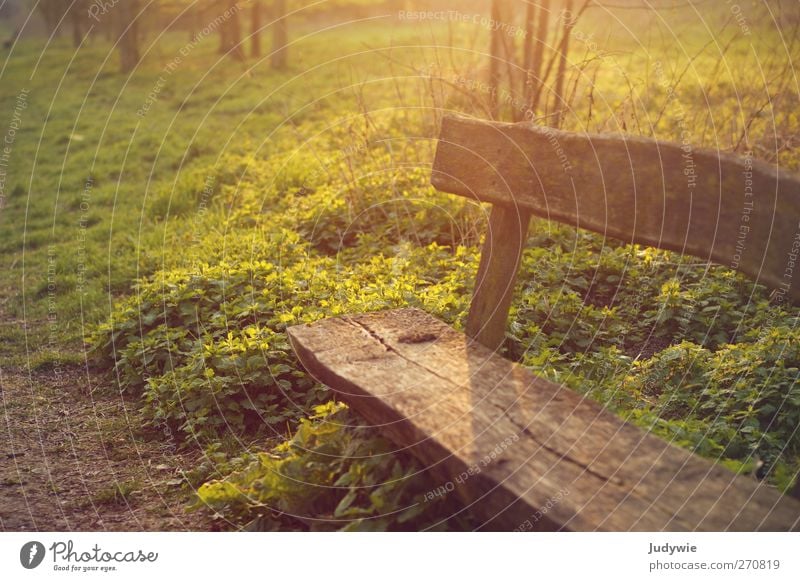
{"points": [[108, 26], [559, 97], [528, 41], [530, 20], [235, 38], [12, 39], [255, 30], [76, 18], [128, 31], [280, 36], [49, 10], [193, 18], [230, 33]]}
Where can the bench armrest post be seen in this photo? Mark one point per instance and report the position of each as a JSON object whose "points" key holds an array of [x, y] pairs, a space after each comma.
{"points": [[497, 274]]}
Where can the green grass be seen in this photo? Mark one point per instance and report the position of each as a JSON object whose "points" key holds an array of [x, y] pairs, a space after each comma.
{"points": [[142, 169], [98, 238]]}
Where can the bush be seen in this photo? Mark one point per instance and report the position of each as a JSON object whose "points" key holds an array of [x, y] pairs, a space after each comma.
{"points": [[331, 475], [207, 349]]}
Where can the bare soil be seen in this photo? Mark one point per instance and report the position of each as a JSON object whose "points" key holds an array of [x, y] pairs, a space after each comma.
{"points": [[73, 457]]}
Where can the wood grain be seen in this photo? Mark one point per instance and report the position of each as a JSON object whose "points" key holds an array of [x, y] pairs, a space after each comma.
{"points": [[451, 402], [734, 211], [497, 275]]}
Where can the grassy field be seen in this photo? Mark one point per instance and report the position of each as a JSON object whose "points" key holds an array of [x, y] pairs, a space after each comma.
{"points": [[165, 227]]}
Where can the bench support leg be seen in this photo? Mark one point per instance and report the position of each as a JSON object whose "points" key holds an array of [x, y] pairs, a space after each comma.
{"points": [[497, 274]]}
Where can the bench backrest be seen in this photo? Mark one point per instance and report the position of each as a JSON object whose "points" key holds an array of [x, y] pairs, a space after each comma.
{"points": [[734, 211]]}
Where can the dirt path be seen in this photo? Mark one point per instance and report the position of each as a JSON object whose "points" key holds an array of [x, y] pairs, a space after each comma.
{"points": [[73, 458]]}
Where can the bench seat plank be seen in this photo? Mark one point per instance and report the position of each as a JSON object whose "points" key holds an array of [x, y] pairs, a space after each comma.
{"points": [[454, 403]]}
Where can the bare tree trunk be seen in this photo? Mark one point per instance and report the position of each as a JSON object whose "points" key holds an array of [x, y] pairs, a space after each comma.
{"points": [[537, 57], [76, 16], [530, 20], [559, 97], [236, 50], [128, 34], [49, 10], [255, 29], [512, 67], [108, 25], [194, 20], [224, 42], [12, 39], [495, 60], [280, 36]]}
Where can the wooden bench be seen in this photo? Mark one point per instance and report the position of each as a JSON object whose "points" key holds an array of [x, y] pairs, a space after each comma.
{"points": [[524, 453]]}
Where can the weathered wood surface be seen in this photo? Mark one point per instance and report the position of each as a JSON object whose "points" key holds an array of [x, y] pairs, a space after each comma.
{"points": [[731, 210], [450, 401], [497, 275]]}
